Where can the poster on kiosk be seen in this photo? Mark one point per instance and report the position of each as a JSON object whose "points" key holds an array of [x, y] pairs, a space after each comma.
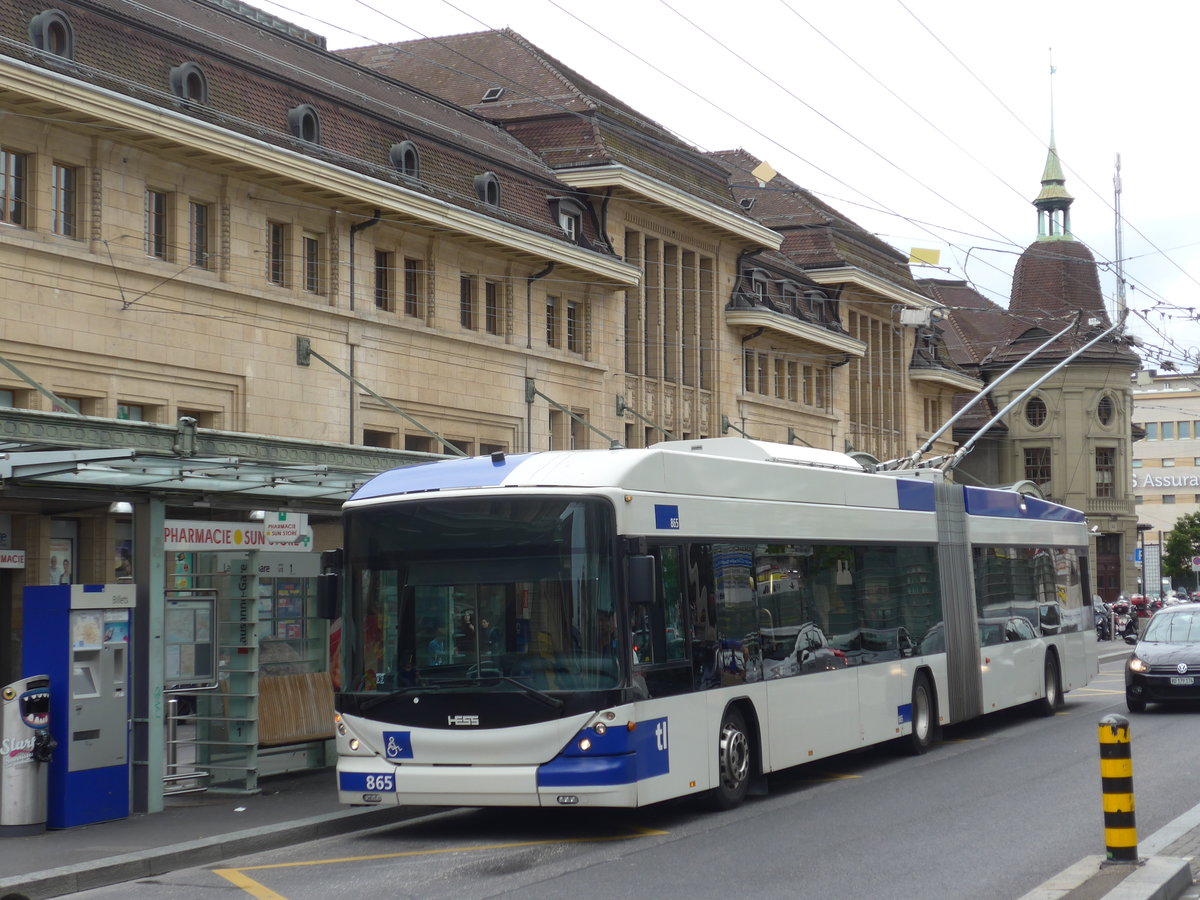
{"points": [[78, 634]]}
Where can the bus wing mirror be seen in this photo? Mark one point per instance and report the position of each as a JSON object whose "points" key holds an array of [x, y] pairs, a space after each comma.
{"points": [[329, 584], [641, 580]]}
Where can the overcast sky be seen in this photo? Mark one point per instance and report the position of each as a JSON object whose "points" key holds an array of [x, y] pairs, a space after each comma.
{"points": [[925, 121]]}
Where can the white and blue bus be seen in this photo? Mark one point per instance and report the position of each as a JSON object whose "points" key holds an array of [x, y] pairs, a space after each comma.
{"points": [[620, 627]]}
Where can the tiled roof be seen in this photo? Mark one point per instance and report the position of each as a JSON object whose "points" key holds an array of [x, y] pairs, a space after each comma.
{"points": [[973, 323], [256, 74], [815, 235], [559, 113], [1056, 279], [1053, 281]]}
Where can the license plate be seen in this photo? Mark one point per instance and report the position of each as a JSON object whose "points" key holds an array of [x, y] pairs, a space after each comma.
{"points": [[1183, 679], [367, 782]]}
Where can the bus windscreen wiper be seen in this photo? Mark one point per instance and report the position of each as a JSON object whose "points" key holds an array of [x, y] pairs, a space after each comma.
{"points": [[540, 696]]}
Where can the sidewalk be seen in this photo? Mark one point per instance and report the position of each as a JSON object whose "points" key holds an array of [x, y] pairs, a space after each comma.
{"points": [[1164, 870], [192, 830], [200, 829]]}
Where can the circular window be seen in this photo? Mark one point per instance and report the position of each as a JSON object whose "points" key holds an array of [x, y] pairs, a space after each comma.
{"points": [[1106, 410], [1035, 412]]}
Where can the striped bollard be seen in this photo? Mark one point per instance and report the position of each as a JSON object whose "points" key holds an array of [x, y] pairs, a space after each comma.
{"points": [[1116, 776]]}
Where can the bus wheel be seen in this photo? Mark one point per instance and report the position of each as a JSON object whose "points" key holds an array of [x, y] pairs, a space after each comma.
{"points": [[733, 756], [1051, 698], [923, 717]]}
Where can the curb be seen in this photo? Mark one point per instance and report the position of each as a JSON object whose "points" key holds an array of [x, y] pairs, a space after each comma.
{"points": [[1094, 877], [160, 860]]}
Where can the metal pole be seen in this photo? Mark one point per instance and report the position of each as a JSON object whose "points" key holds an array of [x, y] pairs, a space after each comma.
{"points": [[1116, 776], [172, 736]]}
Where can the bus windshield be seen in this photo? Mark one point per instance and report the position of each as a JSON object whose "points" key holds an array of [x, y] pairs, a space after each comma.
{"points": [[499, 594]]}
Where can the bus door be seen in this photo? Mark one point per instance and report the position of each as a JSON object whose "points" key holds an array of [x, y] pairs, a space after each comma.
{"points": [[660, 652]]}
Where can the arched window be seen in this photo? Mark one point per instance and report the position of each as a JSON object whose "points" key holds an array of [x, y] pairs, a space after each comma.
{"points": [[406, 159], [51, 31], [304, 124], [487, 188], [189, 83]]}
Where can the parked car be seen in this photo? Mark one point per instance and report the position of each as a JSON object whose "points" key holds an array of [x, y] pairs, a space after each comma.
{"points": [[1165, 663]]}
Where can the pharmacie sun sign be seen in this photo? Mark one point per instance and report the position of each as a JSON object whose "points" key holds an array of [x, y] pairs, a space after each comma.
{"points": [[181, 534]]}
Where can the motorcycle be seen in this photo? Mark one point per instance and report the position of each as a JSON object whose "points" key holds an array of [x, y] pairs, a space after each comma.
{"points": [[1127, 625], [1103, 617]]}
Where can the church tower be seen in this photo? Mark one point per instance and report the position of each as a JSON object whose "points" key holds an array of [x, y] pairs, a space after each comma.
{"points": [[1072, 434]]}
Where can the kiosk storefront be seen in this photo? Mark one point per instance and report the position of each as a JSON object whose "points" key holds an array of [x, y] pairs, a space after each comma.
{"points": [[246, 656]]}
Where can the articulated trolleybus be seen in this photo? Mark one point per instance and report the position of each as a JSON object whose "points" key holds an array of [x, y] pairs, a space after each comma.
{"points": [[620, 627]]}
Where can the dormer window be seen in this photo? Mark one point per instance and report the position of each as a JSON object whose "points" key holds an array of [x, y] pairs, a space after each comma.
{"points": [[189, 83], [816, 304], [568, 213], [759, 285], [791, 298], [51, 31], [487, 188], [406, 159], [304, 124]]}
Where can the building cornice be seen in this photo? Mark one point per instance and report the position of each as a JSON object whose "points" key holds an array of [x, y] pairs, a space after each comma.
{"points": [[873, 283], [757, 317], [141, 122], [945, 377], [616, 175]]}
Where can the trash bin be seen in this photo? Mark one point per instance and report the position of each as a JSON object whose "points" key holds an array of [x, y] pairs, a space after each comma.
{"points": [[25, 749]]}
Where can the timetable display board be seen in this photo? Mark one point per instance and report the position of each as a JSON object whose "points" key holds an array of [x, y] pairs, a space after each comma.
{"points": [[191, 648]]}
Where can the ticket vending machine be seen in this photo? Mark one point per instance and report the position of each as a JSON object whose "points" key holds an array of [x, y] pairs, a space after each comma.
{"points": [[79, 635]]}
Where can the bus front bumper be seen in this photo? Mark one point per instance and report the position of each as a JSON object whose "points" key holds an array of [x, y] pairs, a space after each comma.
{"points": [[372, 782]]}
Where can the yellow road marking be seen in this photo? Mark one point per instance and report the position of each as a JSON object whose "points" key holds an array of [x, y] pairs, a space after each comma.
{"points": [[257, 890], [249, 885]]}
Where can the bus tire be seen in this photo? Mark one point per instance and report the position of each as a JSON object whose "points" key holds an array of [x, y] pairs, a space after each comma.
{"points": [[1051, 699], [924, 718], [734, 767]]}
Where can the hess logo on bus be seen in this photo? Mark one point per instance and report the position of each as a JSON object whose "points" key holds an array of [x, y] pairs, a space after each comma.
{"points": [[462, 720]]}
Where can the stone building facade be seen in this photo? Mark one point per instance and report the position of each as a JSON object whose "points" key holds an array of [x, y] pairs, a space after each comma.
{"points": [[239, 274]]}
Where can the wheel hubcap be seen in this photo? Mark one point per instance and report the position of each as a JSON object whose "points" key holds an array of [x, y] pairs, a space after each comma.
{"points": [[921, 714], [735, 757]]}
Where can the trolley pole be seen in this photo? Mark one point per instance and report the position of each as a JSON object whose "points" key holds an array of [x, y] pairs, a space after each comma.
{"points": [[1116, 776]]}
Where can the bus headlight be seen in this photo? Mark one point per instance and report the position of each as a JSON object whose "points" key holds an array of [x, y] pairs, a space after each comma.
{"points": [[355, 744], [585, 744], [599, 728]]}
